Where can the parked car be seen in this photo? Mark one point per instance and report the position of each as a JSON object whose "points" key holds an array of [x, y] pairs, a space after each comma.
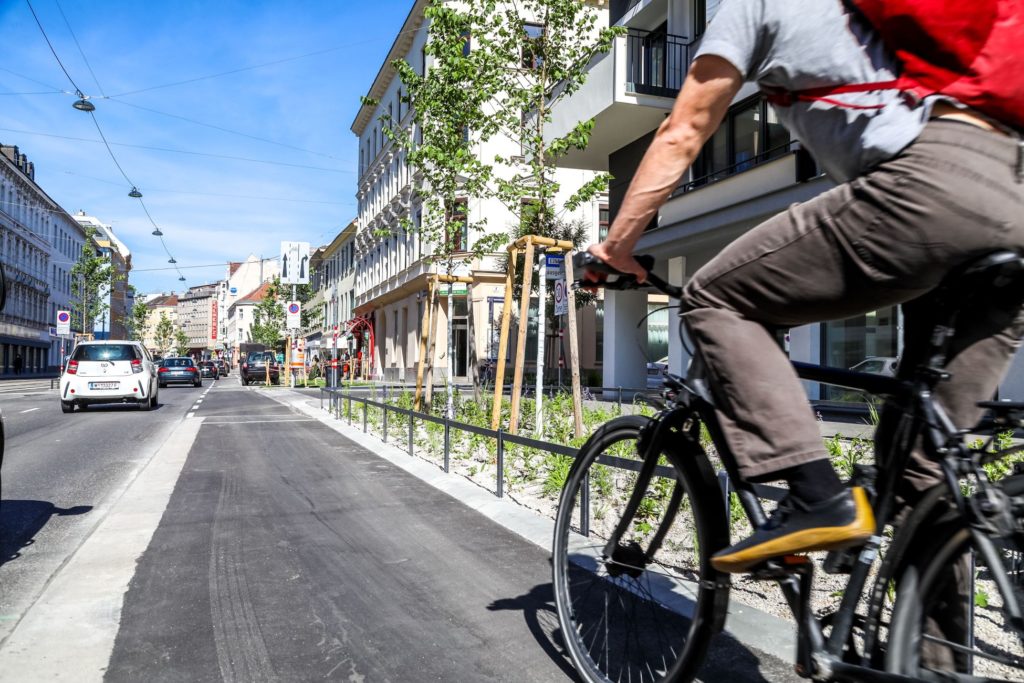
{"points": [[223, 366], [254, 367], [207, 368], [878, 365], [656, 373], [179, 371], [112, 371]]}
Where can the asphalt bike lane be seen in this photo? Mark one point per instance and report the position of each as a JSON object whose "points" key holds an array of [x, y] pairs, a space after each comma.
{"points": [[64, 475], [289, 553]]}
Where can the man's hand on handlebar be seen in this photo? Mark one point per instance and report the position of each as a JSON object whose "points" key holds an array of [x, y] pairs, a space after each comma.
{"points": [[617, 258]]}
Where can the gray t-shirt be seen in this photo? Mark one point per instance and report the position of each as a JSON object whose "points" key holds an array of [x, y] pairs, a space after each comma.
{"points": [[796, 45]]}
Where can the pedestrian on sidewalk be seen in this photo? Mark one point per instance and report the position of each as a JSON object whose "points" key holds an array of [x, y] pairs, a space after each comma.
{"points": [[18, 364]]}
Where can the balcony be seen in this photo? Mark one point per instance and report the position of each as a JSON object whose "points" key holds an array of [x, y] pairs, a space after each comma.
{"points": [[628, 92]]}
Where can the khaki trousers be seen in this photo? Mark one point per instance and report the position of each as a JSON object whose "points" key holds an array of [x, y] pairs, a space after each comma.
{"points": [[888, 237]]}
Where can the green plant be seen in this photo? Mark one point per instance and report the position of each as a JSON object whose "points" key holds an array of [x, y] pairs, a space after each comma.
{"points": [[557, 472]]}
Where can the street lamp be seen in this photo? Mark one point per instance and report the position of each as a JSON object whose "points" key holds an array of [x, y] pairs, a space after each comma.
{"points": [[135, 194], [83, 103], [157, 233], [171, 260]]}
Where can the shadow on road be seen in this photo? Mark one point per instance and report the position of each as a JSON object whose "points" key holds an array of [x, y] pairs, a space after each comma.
{"points": [[727, 658], [21, 520]]}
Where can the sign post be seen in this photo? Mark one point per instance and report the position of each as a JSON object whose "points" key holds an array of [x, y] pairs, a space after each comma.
{"points": [[63, 329]]}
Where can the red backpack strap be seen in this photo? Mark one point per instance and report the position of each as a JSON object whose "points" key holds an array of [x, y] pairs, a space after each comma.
{"points": [[786, 98]]}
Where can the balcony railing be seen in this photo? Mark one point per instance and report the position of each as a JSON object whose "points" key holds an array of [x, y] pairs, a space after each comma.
{"points": [[806, 167], [656, 62]]}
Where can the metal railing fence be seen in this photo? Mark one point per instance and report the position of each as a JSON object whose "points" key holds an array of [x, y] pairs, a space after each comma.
{"points": [[339, 404]]}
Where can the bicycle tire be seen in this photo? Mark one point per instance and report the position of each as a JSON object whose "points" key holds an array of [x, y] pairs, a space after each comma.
{"points": [[621, 621], [930, 616]]}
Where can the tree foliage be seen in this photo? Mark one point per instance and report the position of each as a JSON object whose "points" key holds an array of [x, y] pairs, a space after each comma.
{"points": [[164, 334], [269, 317], [181, 342], [138, 322], [92, 280]]}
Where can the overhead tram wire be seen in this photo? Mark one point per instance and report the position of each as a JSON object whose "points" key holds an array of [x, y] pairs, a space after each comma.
{"points": [[84, 105], [179, 151], [80, 50]]}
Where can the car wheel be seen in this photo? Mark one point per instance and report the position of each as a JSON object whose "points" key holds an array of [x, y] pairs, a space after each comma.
{"points": [[67, 407]]}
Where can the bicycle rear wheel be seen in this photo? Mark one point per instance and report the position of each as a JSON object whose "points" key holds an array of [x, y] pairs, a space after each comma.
{"points": [[643, 608], [952, 617]]}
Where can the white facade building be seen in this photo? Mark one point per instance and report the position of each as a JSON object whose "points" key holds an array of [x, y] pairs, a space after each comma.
{"points": [[391, 272], [39, 244]]}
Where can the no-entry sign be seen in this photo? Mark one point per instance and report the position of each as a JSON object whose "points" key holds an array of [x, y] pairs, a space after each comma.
{"points": [[63, 322]]}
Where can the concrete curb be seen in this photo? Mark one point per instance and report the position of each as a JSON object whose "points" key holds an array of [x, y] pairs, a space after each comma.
{"points": [[752, 627]]}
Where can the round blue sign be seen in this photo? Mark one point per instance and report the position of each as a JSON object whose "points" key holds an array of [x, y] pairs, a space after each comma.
{"points": [[233, 290], [293, 308], [63, 317]]}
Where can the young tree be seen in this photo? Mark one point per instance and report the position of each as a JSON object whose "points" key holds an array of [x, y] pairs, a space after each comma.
{"points": [[138, 322], [181, 342], [449, 112], [164, 334], [268, 317], [92, 279]]}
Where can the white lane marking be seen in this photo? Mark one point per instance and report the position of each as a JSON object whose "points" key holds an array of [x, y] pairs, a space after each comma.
{"points": [[190, 415], [199, 400], [29, 410], [214, 421]]}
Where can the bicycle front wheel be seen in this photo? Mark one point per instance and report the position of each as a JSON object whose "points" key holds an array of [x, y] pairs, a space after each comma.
{"points": [[641, 607], [954, 602]]}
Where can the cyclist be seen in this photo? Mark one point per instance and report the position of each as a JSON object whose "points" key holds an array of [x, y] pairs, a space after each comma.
{"points": [[925, 185]]}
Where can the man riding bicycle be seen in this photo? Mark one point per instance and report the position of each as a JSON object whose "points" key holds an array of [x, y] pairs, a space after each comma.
{"points": [[926, 185]]}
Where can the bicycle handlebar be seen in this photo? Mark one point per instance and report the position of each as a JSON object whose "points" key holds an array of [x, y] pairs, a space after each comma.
{"points": [[585, 261]]}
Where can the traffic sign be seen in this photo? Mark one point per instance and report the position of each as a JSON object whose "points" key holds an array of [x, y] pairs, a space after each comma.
{"points": [[294, 321], [555, 266], [561, 298], [295, 263], [63, 322]]}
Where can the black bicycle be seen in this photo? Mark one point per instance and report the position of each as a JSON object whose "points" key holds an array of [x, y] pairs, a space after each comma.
{"points": [[940, 598]]}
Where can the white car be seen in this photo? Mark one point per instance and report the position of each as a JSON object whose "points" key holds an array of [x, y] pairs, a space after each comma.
{"points": [[115, 371]]}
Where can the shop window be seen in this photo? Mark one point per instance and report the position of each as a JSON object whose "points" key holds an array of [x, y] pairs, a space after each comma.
{"points": [[868, 341]]}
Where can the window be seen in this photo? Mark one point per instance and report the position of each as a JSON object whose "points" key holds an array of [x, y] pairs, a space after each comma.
{"points": [[466, 44], [602, 223], [459, 240], [533, 46], [750, 134]]}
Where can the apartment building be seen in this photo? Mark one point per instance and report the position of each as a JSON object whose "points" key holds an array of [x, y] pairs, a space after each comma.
{"points": [[197, 316], [392, 265], [159, 305], [242, 278], [333, 279], [113, 322], [39, 244], [240, 317]]}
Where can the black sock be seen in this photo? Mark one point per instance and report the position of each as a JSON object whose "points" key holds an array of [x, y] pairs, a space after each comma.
{"points": [[812, 482]]}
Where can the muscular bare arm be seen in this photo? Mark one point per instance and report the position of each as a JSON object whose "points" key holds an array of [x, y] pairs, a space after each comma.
{"points": [[705, 97]]}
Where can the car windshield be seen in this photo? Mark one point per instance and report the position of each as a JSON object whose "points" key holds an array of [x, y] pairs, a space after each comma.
{"points": [[176, 362], [100, 352]]}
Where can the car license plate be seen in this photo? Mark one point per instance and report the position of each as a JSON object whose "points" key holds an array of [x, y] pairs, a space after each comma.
{"points": [[103, 385]]}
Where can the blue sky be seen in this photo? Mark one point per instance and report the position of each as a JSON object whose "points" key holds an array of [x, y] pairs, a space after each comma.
{"points": [[210, 208]]}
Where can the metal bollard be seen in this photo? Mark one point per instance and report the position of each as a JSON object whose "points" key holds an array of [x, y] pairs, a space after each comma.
{"points": [[501, 463], [366, 413], [385, 422], [412, 428], [447, 442]]}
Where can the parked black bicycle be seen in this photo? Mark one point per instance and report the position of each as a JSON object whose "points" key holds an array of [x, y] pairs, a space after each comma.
{"points": [[939, 598]]}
